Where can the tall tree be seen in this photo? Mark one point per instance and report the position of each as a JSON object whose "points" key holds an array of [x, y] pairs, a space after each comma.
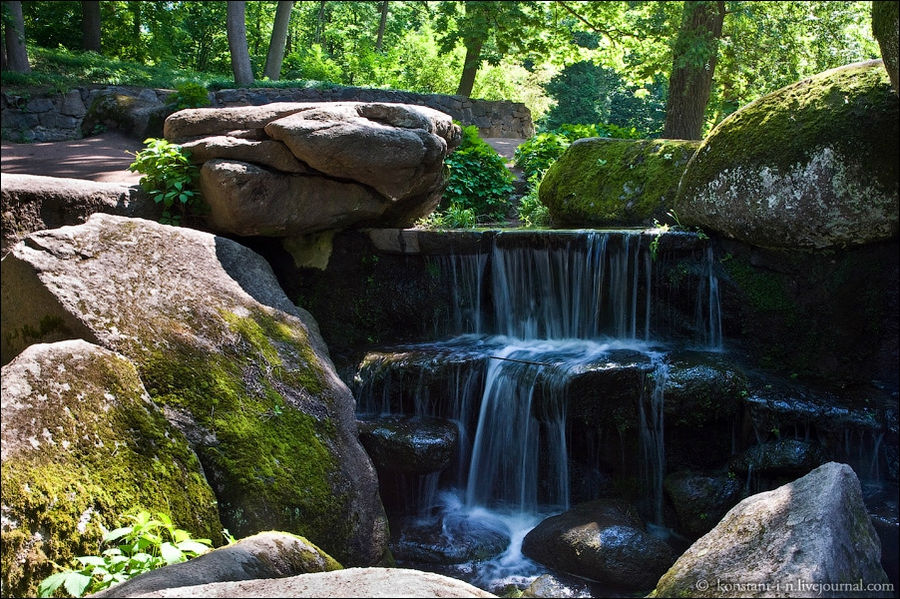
{"points": [[489, 31], [381, 25], [90, 25], [693, 65], [275, 56], [16, 53], [237, 43]]}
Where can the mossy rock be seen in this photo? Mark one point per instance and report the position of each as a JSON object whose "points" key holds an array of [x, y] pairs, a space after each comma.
{"points": [[886, 27], [241, 370], [601, 182], [83, 445], [812, 165]]}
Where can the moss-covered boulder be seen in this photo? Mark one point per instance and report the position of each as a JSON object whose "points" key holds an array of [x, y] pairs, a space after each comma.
{"points": [[83, 445], [886, 27], [602, 182], [812, 165], [241, 370], [814, 531]]}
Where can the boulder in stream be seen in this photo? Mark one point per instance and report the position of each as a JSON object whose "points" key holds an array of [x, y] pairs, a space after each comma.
{"points": [[409, 445], [602, 541], [814, 531], [701, 499]]}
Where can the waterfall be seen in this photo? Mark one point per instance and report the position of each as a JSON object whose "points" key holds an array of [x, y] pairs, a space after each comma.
{"points": [[650, 415]]}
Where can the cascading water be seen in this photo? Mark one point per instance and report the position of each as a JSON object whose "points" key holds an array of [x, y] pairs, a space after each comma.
{"points": [[528, 320]]}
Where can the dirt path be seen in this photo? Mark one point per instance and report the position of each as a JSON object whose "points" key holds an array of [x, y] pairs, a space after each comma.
{"points": [[100, 158]]}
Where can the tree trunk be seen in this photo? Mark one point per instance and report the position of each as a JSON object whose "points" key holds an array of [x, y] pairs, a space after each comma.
{"points": [[470, 66], [135, 8], [694, 62], [279, 37], [381, 25], [90, 25], [320, 22], [16, 53], [237, 43]]}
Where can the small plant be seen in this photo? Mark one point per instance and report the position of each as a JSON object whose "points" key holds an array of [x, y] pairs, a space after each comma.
{"points": [[189, 95], [169, 178], [147, 544], [454, 217]]}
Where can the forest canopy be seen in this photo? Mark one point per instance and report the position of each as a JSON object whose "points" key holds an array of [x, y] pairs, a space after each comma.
{"points": [[621, 63]]}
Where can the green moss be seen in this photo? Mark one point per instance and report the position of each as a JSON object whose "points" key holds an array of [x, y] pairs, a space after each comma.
{"points": [[268, 459], [102, 454], [600, 181]]}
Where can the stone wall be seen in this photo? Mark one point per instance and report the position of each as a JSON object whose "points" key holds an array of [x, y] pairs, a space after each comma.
{"points": [[59, 117], [139, 112]]}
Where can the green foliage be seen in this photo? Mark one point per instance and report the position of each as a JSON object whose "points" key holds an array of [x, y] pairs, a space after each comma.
{"points": [[147, 544], [190, 95], [454, 217], [169, 178], [540, 151], [478, 179], [532, 211]]}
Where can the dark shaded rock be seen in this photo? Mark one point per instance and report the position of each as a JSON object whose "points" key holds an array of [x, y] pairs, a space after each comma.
{"points": [[601, 182], [815, 530], [233, 362], [812, 165], [601, 541], [409, 445], [32, 203], [263, 556], [447, 540], [700, 500], [139, 115], [784, 457], [82, 446]]}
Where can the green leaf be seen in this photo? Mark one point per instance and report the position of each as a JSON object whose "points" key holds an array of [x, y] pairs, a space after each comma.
{"points": [[198, 546], [75, 583], [117, 533], [47, 586], [171, 554]]}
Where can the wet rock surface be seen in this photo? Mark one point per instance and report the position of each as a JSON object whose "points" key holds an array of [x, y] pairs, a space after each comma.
{"points": [[409, 445], [602, 541]]}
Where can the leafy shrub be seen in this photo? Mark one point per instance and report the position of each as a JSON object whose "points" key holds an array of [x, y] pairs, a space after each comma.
{"points": [[454, 217], [169, 178], [532, 212], [540, 151], [189, 95], [478, 178], [147, 544]]}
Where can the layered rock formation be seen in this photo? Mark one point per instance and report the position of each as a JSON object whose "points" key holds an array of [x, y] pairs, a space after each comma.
{"points": [[288, 169]]}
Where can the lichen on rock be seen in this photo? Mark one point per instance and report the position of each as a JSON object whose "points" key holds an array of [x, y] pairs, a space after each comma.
{"points": [[601, 182], [83, 445], [237, 367], [810, 166]]}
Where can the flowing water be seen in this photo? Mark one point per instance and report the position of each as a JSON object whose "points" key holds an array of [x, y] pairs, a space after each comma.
{"points": [[527, 321]]}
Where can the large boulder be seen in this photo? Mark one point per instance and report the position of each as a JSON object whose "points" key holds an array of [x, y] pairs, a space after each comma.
{"points": [[886, 27], [352, 582], [33, 203], [241, 370], [317, 166], [601, 541], [701, 499], [83, 445], [602, 182], [266, 555], [814, 531], [812, 165]]}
